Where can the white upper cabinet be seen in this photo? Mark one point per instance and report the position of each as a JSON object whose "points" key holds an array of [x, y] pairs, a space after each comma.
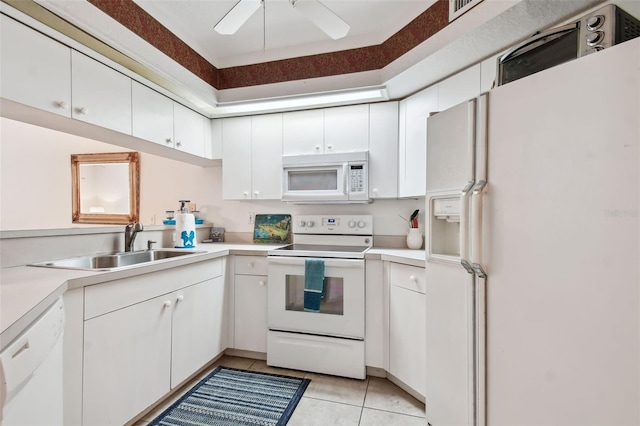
{"points": [[236, 158], [346, 128], [303, 132], [266, 157], [252, 157], [188, 130], [459, 88], [383, 150], [412, 161], [100, 95], [35, 69], [152, 115], [323, 131], [159, 119], [216, 140], [414, 111]]}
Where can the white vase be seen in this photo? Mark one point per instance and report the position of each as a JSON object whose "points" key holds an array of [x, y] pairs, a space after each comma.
{"points": [[414, 238]]}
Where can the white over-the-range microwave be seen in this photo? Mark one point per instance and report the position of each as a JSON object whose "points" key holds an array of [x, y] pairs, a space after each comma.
{"points": [[326, 178]]}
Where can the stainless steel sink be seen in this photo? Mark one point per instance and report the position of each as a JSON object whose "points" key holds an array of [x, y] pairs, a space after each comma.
{"points": [[110, 261]]}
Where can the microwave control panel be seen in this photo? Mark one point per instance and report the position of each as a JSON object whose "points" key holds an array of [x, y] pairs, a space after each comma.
{"points": [[357, 178]]}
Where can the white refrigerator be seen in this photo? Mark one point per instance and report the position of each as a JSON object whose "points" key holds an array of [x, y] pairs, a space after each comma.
{"points": [[533, 235]]}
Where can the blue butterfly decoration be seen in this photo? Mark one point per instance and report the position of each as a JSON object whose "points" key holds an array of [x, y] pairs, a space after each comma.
{"points": [[187, 239]]}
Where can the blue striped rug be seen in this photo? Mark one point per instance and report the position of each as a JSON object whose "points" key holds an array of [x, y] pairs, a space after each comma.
{"points": [[229, 396]]}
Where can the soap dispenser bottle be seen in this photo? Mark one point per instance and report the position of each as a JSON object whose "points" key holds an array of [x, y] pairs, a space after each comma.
{"points": [[185, 236]]}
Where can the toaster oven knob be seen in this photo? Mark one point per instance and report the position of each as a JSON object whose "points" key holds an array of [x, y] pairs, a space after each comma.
{"points": [[595, 38], [352, 224], [595, 22]]}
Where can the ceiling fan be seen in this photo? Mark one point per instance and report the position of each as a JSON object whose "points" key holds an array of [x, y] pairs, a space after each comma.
{"points": [[313, 10]]}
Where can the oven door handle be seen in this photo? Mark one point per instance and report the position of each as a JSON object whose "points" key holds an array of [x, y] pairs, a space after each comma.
{"points": [[299, 261], [556, 32]]}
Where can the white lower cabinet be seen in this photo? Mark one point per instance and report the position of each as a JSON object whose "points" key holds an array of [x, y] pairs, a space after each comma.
{"points": [[197, 335], [250, 303], [145, 335], [407, 326], [127, 361]]}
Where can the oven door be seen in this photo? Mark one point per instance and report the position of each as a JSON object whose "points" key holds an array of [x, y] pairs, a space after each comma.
{"points": [[342, 306]]}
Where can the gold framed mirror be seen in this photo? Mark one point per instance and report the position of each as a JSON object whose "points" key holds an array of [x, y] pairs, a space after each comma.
{"points": [[105, 188]]}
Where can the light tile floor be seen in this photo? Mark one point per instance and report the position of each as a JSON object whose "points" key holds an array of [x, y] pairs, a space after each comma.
{"points": [[330, 400]]}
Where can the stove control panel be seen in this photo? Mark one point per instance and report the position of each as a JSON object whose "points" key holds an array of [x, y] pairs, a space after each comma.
{"points": [[333, 224]]}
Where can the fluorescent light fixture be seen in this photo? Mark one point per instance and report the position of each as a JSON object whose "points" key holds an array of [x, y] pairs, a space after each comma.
{"points": [[369, 94]]}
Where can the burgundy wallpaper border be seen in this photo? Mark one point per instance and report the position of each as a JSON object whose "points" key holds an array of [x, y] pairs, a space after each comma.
{"points": [[369, 58]]}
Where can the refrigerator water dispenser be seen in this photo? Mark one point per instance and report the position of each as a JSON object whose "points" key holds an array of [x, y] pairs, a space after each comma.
{"points": [[445, 226]]}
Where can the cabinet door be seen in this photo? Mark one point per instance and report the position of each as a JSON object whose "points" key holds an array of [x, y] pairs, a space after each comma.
{"points": [[152, 115], [250, 307], [346, 128], [236, 158], [216, 139], [127, 361], [413, 149], [266, 157], [383, 150], [407, 337], [35, 69], [188, 130], [197, 327], [303, 132], [100, 95]]}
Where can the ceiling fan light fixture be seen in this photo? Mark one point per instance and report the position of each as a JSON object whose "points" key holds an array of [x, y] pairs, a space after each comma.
{"points": [[322, 17], [237, 16]]}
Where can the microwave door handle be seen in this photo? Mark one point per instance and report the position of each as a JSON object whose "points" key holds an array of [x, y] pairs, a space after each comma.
{"points": [[345, 173], [557, 32]]}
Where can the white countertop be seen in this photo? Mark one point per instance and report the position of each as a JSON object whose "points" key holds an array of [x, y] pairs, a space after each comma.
{"points": [[27, 291]]}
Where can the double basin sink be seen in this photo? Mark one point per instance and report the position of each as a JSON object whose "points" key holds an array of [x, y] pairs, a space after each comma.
{"points": [[111, 261]]}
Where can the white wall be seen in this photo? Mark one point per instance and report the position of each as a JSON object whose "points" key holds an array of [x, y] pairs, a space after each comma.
{"points": [[35, 184]]}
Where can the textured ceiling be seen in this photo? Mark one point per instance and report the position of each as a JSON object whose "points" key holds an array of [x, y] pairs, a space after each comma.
{"points": [[302, 59]]}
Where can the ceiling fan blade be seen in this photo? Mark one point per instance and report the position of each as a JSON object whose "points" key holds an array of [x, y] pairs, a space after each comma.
{"points": [[323, 17], [237, 16]]}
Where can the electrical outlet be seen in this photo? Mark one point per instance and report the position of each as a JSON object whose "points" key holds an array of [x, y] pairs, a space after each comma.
{"points": [[251, 218], [192, 207]]}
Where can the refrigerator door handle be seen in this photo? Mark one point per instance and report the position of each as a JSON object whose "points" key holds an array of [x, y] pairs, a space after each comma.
{"points": [[464, 226], [476, 229]]}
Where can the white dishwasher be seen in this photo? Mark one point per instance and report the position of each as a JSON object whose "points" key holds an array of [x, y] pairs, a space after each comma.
{"points": [[31, 373]]}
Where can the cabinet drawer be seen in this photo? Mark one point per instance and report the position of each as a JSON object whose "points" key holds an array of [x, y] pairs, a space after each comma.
{"points": [[117, 294], [250, 265], [409, 277]]}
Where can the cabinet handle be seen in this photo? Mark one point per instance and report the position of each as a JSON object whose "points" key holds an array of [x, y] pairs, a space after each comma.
{"points": [[375, 190], [61, 104], [82, 111], [167, 304], [329, 146], [261, 283], [317, 147], [168, 141], [179, 143], [180, 298], [250, 265], [256, 193], [246, 194], [413, 279]]}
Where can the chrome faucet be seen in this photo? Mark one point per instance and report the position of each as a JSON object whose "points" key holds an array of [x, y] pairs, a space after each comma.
{"points": [[130, 232]]}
